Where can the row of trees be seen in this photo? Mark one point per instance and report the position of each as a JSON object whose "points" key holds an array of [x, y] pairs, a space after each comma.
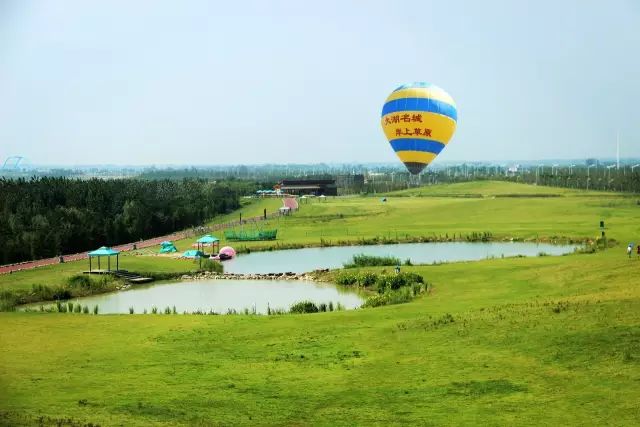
{"points": [[45, 217], [625, 178]]}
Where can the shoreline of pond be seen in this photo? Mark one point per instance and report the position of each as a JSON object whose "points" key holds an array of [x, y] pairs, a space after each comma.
{"points": [[317, 275], [474, 237]]}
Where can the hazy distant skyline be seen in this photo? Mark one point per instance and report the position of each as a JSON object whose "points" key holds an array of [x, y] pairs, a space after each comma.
{"points": [[204, 82]]}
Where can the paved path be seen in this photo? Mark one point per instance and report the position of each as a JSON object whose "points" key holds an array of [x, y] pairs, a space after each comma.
{"points": [[9, 268]]}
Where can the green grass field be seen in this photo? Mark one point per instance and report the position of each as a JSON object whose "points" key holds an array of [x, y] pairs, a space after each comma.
{"points": [[519, 341]]}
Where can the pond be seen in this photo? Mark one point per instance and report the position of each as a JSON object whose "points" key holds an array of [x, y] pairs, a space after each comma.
{"points": [[219, 296], [309, 259], [222, 295]]}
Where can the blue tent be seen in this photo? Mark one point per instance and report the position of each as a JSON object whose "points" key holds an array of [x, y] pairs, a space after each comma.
{"points": [[167, 247], [192, 253]]}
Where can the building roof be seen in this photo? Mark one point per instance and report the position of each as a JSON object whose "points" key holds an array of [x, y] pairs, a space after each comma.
{"points": [[306, 182], [300, 187]]}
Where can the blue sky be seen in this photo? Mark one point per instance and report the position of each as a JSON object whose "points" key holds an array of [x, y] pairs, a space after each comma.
{"points": [[205, 82]]}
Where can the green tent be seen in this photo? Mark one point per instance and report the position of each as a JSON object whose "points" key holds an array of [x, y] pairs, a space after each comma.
{"points": [[193, 254], [167, 247]]}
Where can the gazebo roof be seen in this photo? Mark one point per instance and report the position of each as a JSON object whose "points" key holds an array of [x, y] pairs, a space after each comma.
{"points": [[104, 251], [208, 238]]}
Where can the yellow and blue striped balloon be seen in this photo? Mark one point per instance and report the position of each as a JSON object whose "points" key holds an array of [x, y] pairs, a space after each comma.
{"points": [[419, 119]]}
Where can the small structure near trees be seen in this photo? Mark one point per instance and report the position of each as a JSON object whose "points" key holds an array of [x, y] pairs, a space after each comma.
{"points": [[101, 252]]}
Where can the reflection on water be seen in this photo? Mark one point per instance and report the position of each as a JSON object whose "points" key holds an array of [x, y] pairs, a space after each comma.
{"points": [[222, 295], [219, 296], [304, 260]]}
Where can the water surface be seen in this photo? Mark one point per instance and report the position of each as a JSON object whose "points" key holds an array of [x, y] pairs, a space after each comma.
{"points": [[219, 296], [309, 259]]}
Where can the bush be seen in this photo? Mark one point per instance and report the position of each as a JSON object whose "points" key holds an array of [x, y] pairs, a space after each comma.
{"points": [[212, 265], [85, 309], [367, 279], [77, 308], [60, 293], [363, 260], [389, 297], [80, 281], [95, 309], [304, 307], [417, 288], [346, 278]]}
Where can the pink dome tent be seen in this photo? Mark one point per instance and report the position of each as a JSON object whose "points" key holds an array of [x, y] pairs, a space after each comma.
{"points": [[228, 250]]}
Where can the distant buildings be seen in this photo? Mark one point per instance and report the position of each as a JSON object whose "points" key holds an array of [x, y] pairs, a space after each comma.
{"points": [[317, 187]]}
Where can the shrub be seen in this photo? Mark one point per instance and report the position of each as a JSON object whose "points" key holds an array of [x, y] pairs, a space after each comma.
{"points": [[61, 293], [330, 307], [375, 301], [304, 307], [95, 309], [131, 311], [77, 308], [212, 265], [322, 307], [80, 281], [363, 260], [346, 278], [167, 310], [367, 279], [85, 309], [389, 297], [70, 307], [417, 288], [154, 310]]}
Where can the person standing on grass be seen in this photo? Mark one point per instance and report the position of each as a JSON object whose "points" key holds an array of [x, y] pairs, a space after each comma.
{"points": [[629, 249], [638, 248]]}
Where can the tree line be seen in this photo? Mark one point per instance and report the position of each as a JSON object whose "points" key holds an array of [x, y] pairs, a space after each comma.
{"points": [[49, 216]]}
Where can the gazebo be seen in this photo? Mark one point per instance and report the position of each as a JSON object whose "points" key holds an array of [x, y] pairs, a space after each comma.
{"points": [[206, 240], [104, 251]]}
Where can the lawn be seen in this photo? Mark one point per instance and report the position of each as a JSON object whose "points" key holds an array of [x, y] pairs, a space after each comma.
{"points": [[519, 341]]}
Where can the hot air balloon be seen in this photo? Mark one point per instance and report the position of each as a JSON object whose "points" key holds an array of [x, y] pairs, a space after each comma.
{"points": [[418, 119]]}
